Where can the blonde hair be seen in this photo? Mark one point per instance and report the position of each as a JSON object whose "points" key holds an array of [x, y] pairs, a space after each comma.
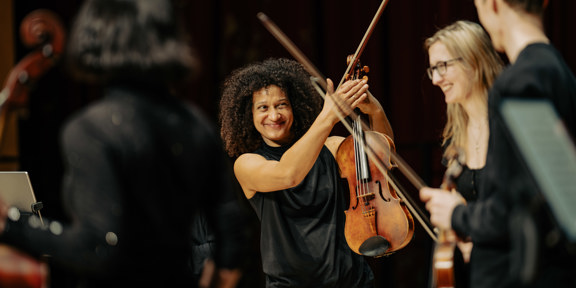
{"points": [[469, 41]]}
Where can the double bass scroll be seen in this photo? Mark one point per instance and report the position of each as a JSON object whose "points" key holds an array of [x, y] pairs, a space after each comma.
{"points": [[43, 31]]}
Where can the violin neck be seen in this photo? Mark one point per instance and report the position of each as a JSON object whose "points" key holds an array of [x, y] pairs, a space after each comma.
{"points": [[362, 166]]}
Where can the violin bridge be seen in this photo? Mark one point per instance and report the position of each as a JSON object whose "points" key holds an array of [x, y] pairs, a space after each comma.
{"points": [[370, 216]]}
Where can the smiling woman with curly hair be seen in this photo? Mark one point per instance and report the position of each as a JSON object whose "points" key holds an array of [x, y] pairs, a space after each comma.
{"points": [[238, 131], [278, 128]]}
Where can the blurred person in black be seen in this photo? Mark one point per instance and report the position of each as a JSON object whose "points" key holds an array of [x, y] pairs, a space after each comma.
{"points": [[140, 162]]}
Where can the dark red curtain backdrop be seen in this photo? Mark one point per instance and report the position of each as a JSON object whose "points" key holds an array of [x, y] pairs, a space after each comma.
{"points": [[227, 35]]}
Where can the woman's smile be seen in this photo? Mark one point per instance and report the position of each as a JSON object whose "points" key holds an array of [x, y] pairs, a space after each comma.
{"points": [[272, 113]]}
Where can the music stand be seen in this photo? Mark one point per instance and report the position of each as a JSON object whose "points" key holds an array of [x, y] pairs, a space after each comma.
{"points": [[16, 190]]}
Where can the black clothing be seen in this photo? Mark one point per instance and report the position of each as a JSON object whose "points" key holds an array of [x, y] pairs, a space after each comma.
{"points": [[467, 186], [302, 230], [204, 241], [539, 72], [138, 164], [467, 183]]}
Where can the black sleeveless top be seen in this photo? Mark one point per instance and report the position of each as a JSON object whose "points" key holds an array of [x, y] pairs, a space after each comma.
{"points": [[302, 230], [467, 183]]}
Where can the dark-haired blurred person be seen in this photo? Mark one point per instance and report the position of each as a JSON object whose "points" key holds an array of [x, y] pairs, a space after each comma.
{"points": [[140, 162]]}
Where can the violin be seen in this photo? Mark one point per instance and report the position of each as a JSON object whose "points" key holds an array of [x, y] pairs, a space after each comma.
{"points": [[443, 257], [377, 220], [43, 30]]}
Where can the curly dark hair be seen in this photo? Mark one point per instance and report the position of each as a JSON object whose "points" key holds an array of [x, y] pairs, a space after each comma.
{"points": [[235, 117]]}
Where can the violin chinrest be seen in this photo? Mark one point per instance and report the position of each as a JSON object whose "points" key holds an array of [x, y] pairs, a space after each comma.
{"points": [[374, 246]]}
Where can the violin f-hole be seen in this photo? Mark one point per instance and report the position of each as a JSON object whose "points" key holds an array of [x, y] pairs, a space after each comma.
{"points": [[381, 192]]}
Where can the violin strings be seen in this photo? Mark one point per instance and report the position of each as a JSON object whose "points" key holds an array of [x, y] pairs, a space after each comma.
{"points": [[360, 185]]}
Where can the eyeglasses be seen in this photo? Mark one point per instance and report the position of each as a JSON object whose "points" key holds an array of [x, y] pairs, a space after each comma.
{"points": [[441, 67]]}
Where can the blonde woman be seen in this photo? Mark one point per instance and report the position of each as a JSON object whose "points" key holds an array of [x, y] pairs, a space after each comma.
{"points": [[464, 64]]}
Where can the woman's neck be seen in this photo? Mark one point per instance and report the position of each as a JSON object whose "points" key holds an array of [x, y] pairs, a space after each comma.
{"points": [[476, 108]]}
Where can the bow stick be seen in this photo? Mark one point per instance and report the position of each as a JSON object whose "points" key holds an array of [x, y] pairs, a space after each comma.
{"points": [[318, 78], [362, 45]]}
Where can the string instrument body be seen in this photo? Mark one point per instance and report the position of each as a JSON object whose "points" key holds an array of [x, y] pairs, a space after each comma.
{"points": [[377, 223]]}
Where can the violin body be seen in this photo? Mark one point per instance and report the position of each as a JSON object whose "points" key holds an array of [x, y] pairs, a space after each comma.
{"points": [[377, 221]]}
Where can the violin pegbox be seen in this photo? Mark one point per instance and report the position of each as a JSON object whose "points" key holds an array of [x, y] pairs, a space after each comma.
{"points": [[358, 71]]}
